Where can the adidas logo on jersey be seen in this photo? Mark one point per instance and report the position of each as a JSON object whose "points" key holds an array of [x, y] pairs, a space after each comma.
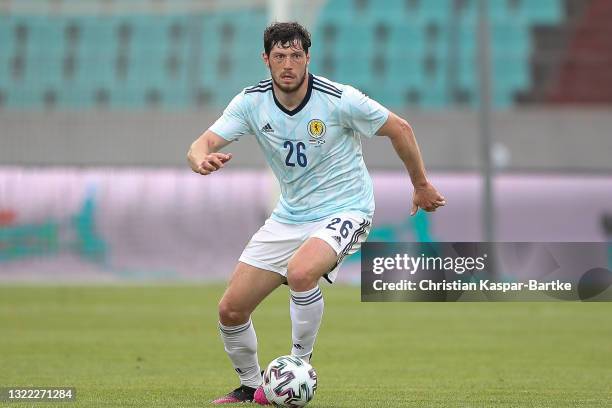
{"points": [[267, 128], [337, 238]]}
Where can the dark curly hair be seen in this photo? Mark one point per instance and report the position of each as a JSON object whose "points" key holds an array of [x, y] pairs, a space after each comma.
{"points": [[283, 34]]}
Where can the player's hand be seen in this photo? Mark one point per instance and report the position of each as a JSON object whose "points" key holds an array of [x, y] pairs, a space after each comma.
{"points": [[210, 163], [427, 198]]}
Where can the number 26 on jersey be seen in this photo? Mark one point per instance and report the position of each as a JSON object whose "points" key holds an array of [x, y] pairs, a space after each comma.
{"points": [[295, 154]]}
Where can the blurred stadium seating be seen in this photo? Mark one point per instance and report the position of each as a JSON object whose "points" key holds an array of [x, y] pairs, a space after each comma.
{"points": [[423, 53], [408, 52], [127, 61], [92, 82]]}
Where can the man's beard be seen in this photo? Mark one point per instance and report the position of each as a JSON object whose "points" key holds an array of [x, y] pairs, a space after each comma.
{"points": [[289, 88]]}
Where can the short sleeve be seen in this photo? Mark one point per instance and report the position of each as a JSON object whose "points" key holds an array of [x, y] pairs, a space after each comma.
{"points": [[360, 113], [233, 124]]}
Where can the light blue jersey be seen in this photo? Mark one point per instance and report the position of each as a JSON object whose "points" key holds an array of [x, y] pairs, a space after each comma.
{"points": [[314, 150]]}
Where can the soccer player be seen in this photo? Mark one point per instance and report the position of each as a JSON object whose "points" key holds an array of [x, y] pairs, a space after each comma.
{"points": [[309, 129]]}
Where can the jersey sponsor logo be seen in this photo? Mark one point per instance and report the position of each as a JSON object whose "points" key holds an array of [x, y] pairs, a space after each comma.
{"points": [[337, 239], [316, 130], [267, 128]]}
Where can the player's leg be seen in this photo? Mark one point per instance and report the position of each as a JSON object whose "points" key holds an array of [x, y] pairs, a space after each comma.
{"points": [[311, 261], [318, 256], [248, 286]]}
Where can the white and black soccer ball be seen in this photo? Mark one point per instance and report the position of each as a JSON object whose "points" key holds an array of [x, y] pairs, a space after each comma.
{"points": [[289, 382]]}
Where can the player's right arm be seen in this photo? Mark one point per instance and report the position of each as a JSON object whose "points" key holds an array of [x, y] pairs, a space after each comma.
{"points": [[204, 156]]}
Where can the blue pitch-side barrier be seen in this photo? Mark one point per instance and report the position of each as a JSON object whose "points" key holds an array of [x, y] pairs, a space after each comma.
{"points": [[77, 234], [173, 224]]}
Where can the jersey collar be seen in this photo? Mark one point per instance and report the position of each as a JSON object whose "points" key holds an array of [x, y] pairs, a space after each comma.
{"points": [[301, 105]]}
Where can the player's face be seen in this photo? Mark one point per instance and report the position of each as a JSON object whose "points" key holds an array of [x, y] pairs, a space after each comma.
{"points": [[288, 66]]}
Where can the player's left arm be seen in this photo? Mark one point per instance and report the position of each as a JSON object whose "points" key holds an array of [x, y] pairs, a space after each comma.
{"points": [[404, 142]]}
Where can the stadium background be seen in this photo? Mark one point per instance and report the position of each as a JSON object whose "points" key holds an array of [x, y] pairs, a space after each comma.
{"points": [[100, 99]]}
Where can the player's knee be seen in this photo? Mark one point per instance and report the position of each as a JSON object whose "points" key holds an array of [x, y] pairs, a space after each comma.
{"points": [[301, 277], [229, 315]]}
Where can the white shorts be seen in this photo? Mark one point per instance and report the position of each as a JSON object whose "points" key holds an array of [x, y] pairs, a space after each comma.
{"points": [[274, 243]]}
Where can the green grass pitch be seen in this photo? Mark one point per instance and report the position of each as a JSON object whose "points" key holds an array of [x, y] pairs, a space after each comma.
{"points": [[158, 346]]}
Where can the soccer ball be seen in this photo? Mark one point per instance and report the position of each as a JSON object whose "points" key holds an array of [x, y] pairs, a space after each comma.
{"points": [[289, 382]]}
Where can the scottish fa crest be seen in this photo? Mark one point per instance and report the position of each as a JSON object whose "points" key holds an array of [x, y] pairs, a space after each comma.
{"points": [[316, 130]]}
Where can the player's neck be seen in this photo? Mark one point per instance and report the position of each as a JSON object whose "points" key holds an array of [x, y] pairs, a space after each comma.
{"points": [[291, 100]]}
